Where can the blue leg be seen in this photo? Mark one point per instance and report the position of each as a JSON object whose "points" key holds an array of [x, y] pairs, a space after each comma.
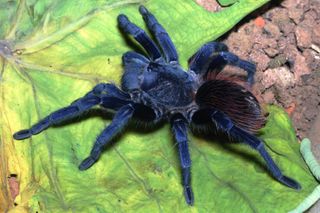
{"points": [[140, 35], [135, 65], [66, 113], [226, 125], [201, 60], [79, 106], [120, 119], [213, 56], [134, 57], [179, 127], [234, 60], [161, 35]]}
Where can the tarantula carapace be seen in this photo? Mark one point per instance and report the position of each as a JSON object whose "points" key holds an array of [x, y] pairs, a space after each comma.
{"points": [[155, 87]]}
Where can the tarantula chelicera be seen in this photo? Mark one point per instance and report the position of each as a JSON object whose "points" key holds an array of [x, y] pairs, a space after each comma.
{"points": [[155, 87]]}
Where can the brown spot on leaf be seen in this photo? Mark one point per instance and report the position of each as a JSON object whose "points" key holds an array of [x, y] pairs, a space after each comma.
{"points": [[210, 5], [13, 185]]}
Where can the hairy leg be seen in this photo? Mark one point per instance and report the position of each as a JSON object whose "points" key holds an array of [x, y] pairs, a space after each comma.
{"points": [[119, 121], [140, 36], [161, 35], [200, 61], [79, 106], [226, 125], [135, 66], [179, 127], [213, 56], [234, 60]]}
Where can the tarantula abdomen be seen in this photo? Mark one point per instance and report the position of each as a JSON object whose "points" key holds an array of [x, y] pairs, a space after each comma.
{"points": [[234, 100]]}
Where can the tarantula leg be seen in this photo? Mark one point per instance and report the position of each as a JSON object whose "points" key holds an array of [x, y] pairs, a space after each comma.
{"points": [[161, 35], [134, 65], [234, 60], [76, 108], [133, 57], [225, 124], [140, 36], [201, 60], [119, 121], [66, 113], [213, 56], [179, 127]]}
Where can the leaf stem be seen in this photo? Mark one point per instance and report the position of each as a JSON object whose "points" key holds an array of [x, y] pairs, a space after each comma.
{"points": [[313, 165]]}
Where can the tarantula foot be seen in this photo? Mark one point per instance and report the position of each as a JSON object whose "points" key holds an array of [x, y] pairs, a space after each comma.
{"points": [[23, 134], [87, 163], [290, 182], [188, 194], [143, 10]]}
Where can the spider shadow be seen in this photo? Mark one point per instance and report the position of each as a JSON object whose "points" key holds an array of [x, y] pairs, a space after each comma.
{"points": [[222, 139]]}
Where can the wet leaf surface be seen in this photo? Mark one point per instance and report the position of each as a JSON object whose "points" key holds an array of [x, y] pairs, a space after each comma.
{"points": [[58, 51]]}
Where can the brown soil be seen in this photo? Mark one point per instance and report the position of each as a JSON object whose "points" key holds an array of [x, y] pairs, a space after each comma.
{"points": [[286, 48]]}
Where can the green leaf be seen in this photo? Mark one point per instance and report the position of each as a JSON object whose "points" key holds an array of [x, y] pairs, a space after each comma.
{"points": [[60, 50], [225, 3]]}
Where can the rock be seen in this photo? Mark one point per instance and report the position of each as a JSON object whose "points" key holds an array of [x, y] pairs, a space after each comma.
{"points": [[282, 20], [309, 21], [309, 56], [296, 14], [305, 78], [268, 97], [291, 51], [316, 34], [272, 30], [283, 96], [281, 15], [315, 48], [278, 61], [261, 58], [290, 4], [268, 79], [300, 66], [309, 17], [285, 42], [303, 36], [291, 39], [281, 76], [269, 42], [271, 52], [286, 27], [240, 48], [315, 5]]}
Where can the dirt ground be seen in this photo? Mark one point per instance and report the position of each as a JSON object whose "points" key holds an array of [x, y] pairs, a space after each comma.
{"points": [[283, 39]]}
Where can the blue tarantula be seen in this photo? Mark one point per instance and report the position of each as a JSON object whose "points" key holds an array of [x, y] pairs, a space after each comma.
{"points": [[155, 87]]}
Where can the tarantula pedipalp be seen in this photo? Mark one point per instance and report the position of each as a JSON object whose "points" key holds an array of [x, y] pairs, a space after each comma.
{"points": [[155, 87]]}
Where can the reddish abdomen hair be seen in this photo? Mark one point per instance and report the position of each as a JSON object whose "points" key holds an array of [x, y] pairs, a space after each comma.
{"points": [[234, 100]]}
